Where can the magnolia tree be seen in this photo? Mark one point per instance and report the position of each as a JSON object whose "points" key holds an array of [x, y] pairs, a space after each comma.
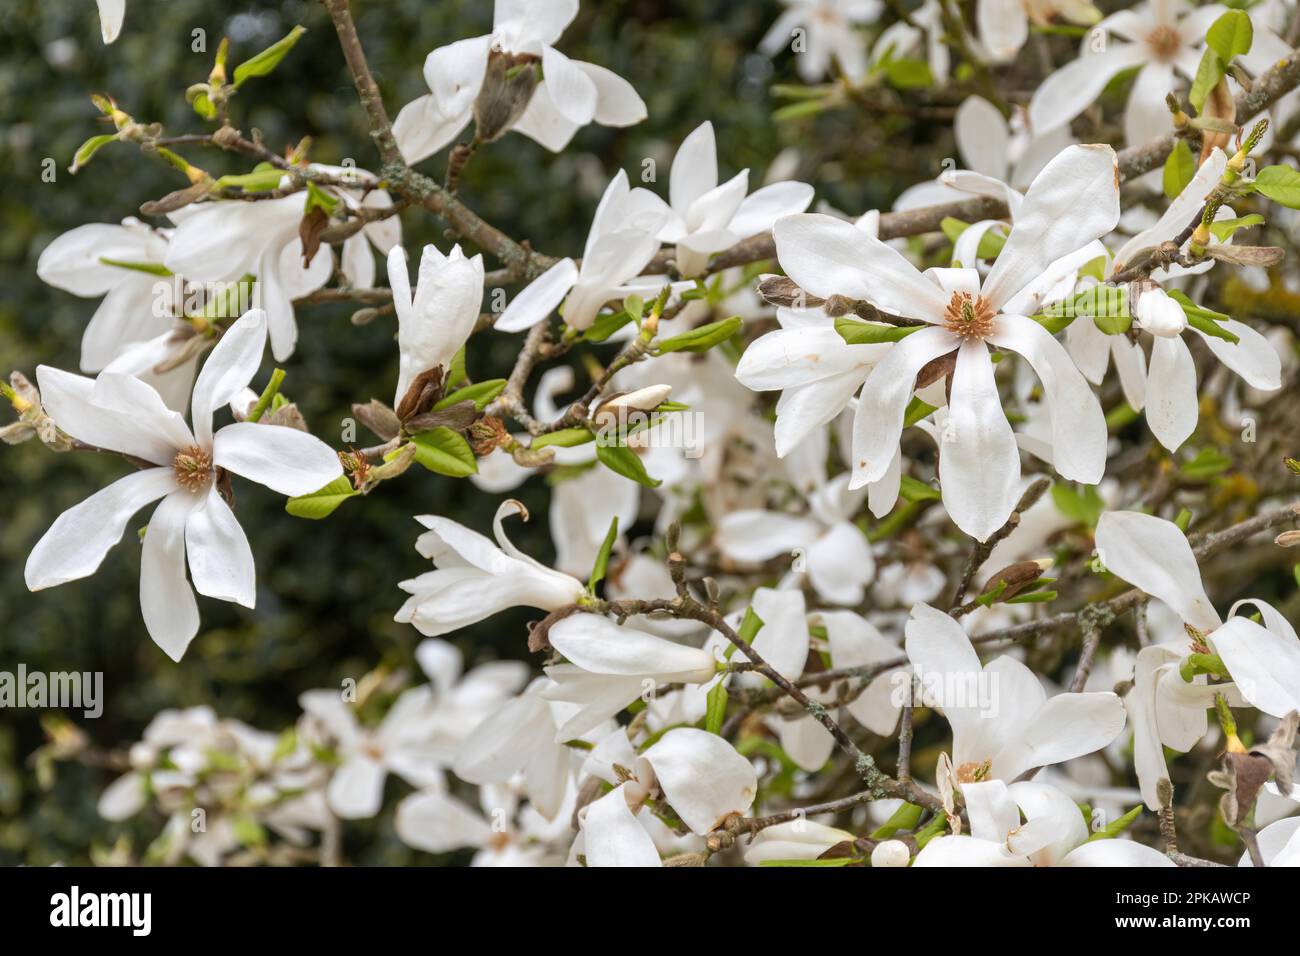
{"points": [[950, 518]]}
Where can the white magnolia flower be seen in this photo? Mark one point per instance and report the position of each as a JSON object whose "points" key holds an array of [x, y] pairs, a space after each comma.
{"points": [[462, 700], [1003, 722], [222, 241], [111, 15], [825, 542], [707, 217], [1153, 555], [622, 241], [1156, 36], [610, 666], [124, 264], [923, 38], [437, 321], [193, 523], [822, 31], [1072, 202], [1004, 24], [400, 744], [476, 578], [699, 774], [356, 262], [1167, 391], [1053, 832], [1279, 844], [480, 79]]}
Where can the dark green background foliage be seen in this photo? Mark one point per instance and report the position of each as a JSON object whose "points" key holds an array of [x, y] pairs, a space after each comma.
{"points": [[326, 590]]}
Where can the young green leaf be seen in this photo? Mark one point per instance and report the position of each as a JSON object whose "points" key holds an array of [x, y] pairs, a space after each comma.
{"points": [[1231, 35], [602, 556], [480, 393], [445, 452], [703, 338], [266, 61], [1280, 184], [564, 438], [1180, 167], [857, 332], [88, 149], [323, 502], [715, 712], [626, 462], [1208, 74]]}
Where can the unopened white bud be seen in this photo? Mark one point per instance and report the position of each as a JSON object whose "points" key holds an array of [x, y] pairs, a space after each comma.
{"points": [[1160, 315], [890, 853]]}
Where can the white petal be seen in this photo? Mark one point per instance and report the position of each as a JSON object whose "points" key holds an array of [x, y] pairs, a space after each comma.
{"points": [[612, 837], [1253, 358], [765, 206], [74, 262], [1003, 27], [543, 122], [437, 822], [124, 797], [1172, 406], [758, 535], [1070, 90], [455, 73], [68, 399], [598, 645], [966, 851], [702, 777], [993, 814], [1146, 115], [356, 791], [75, 545], [883, 401], [284, 459], [227, 371], [1074, 200], [981, 134], [827, 256], [1115, 853], [111, 14], [422, 129], [617, 103], [221, 562], [539, 298], [1264, 665], [171, 614], [978, 459], [782, 641], [1078, 424], [1153, 555], [695, 169], [1067, 726], [840, 564], [572, 90]]}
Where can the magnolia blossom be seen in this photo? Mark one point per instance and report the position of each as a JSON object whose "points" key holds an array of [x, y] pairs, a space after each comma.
{"points": [[922, 38], [476, 578], [1157, 36], [400, 744], [795, 840], [707, 217], [1004, 24], [822, 31], [111, 15], [1003, 722], [225, 240], [699, 774], [481, 78], [461, 701], [193, 524], [1053, 832], [622, 241], [437, 321], [610, 666], [1167, 391], [1072, 202], [1263, 659], [362, 197]]}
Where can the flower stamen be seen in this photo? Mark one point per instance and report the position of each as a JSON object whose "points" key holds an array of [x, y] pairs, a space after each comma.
{"points": [[1165, 42], [969, 316], [193, 468]]}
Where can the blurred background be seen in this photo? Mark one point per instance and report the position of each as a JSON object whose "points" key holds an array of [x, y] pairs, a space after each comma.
{"points": [[326, 590]]}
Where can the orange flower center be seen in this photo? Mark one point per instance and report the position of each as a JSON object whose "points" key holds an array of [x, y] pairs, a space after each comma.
{"points": [[969, 316], [1165, 42], [193, 468]]}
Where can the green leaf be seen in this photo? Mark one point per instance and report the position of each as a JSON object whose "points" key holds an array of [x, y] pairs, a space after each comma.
{"points": [[203, 105], [1208, 74], [262, 179], [149, 268], [445, 452], [323, 502], [1231, 35], [606, 324], [913, 490], [89, 148], [905, 817], [906, 74], [602, 556], [750, 625], [1207, 463], [857, 332], [990, 243], [318, 198], [1113, 324], [715, 712], [917, 410], [1202, 319], [456, 374], [1116, 827], [1083, 504], [266, 61], [1224, 228], [564, 438], [1180, 167], [1280, 184], [703, 338], [626, 462], [480, 393]]}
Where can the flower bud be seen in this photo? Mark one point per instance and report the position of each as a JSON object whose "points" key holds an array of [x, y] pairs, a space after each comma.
{"points": [[890, 853], [614, 411], [1159, 314], [507, 90]]}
